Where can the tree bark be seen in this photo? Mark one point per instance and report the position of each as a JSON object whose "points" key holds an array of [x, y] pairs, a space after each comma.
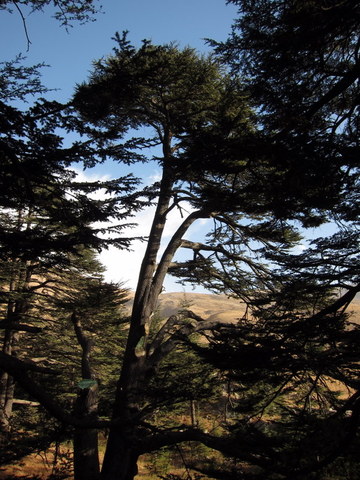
{"points": [[85, 441], [7, 388], [120, 461]]}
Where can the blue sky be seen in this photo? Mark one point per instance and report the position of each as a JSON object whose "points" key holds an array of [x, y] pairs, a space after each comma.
{"points": [[70, 55]]}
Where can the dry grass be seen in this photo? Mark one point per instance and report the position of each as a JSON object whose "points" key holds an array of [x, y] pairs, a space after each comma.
{"points": [[354, 310], [206, 306], [219, 307], [42, 465]]}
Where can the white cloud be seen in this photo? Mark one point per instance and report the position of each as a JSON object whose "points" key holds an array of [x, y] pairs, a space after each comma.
{"points": [[88, 176], [124, 266], [298, 249]]}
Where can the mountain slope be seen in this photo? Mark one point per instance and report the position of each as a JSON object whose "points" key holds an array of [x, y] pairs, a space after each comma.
{"points": [[217, 307]]}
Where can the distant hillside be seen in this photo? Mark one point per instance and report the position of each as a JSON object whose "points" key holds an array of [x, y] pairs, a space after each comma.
{"points": [[206, 306], [217, 307]]}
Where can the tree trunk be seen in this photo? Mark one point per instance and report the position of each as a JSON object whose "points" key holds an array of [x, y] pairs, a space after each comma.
{"points": [[85, 441], [193, 415], [121, 456], [120, 461], [7, 388]]}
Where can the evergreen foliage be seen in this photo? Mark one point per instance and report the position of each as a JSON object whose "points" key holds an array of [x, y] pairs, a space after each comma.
{"points": [[300, 63], [293, 362], [46, 337]]}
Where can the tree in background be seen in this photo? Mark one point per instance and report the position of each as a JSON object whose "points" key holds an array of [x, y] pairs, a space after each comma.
{"points": [[84, 333], [47, 221], [46, 215], [68, 310]]}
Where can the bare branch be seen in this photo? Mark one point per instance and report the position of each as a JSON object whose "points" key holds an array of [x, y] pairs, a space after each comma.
{"points": [[226, 445], [24, 24], [188, 323]]}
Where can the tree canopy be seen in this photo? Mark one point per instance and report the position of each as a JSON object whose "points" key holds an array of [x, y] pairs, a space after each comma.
{"points": [[300, 65]]}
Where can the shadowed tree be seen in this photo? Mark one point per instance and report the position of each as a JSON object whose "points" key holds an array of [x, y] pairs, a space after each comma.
{"points": [[300, 65], [190, 105], [46, 218]]}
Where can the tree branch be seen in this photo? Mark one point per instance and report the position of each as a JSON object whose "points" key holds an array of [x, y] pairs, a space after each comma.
{"points": [[11, 364], [343, 301], [171, 249], [85, 344], [238, 448], [159, 348], [24, 24], [347, 80], [17, 369], [19, 327]]}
